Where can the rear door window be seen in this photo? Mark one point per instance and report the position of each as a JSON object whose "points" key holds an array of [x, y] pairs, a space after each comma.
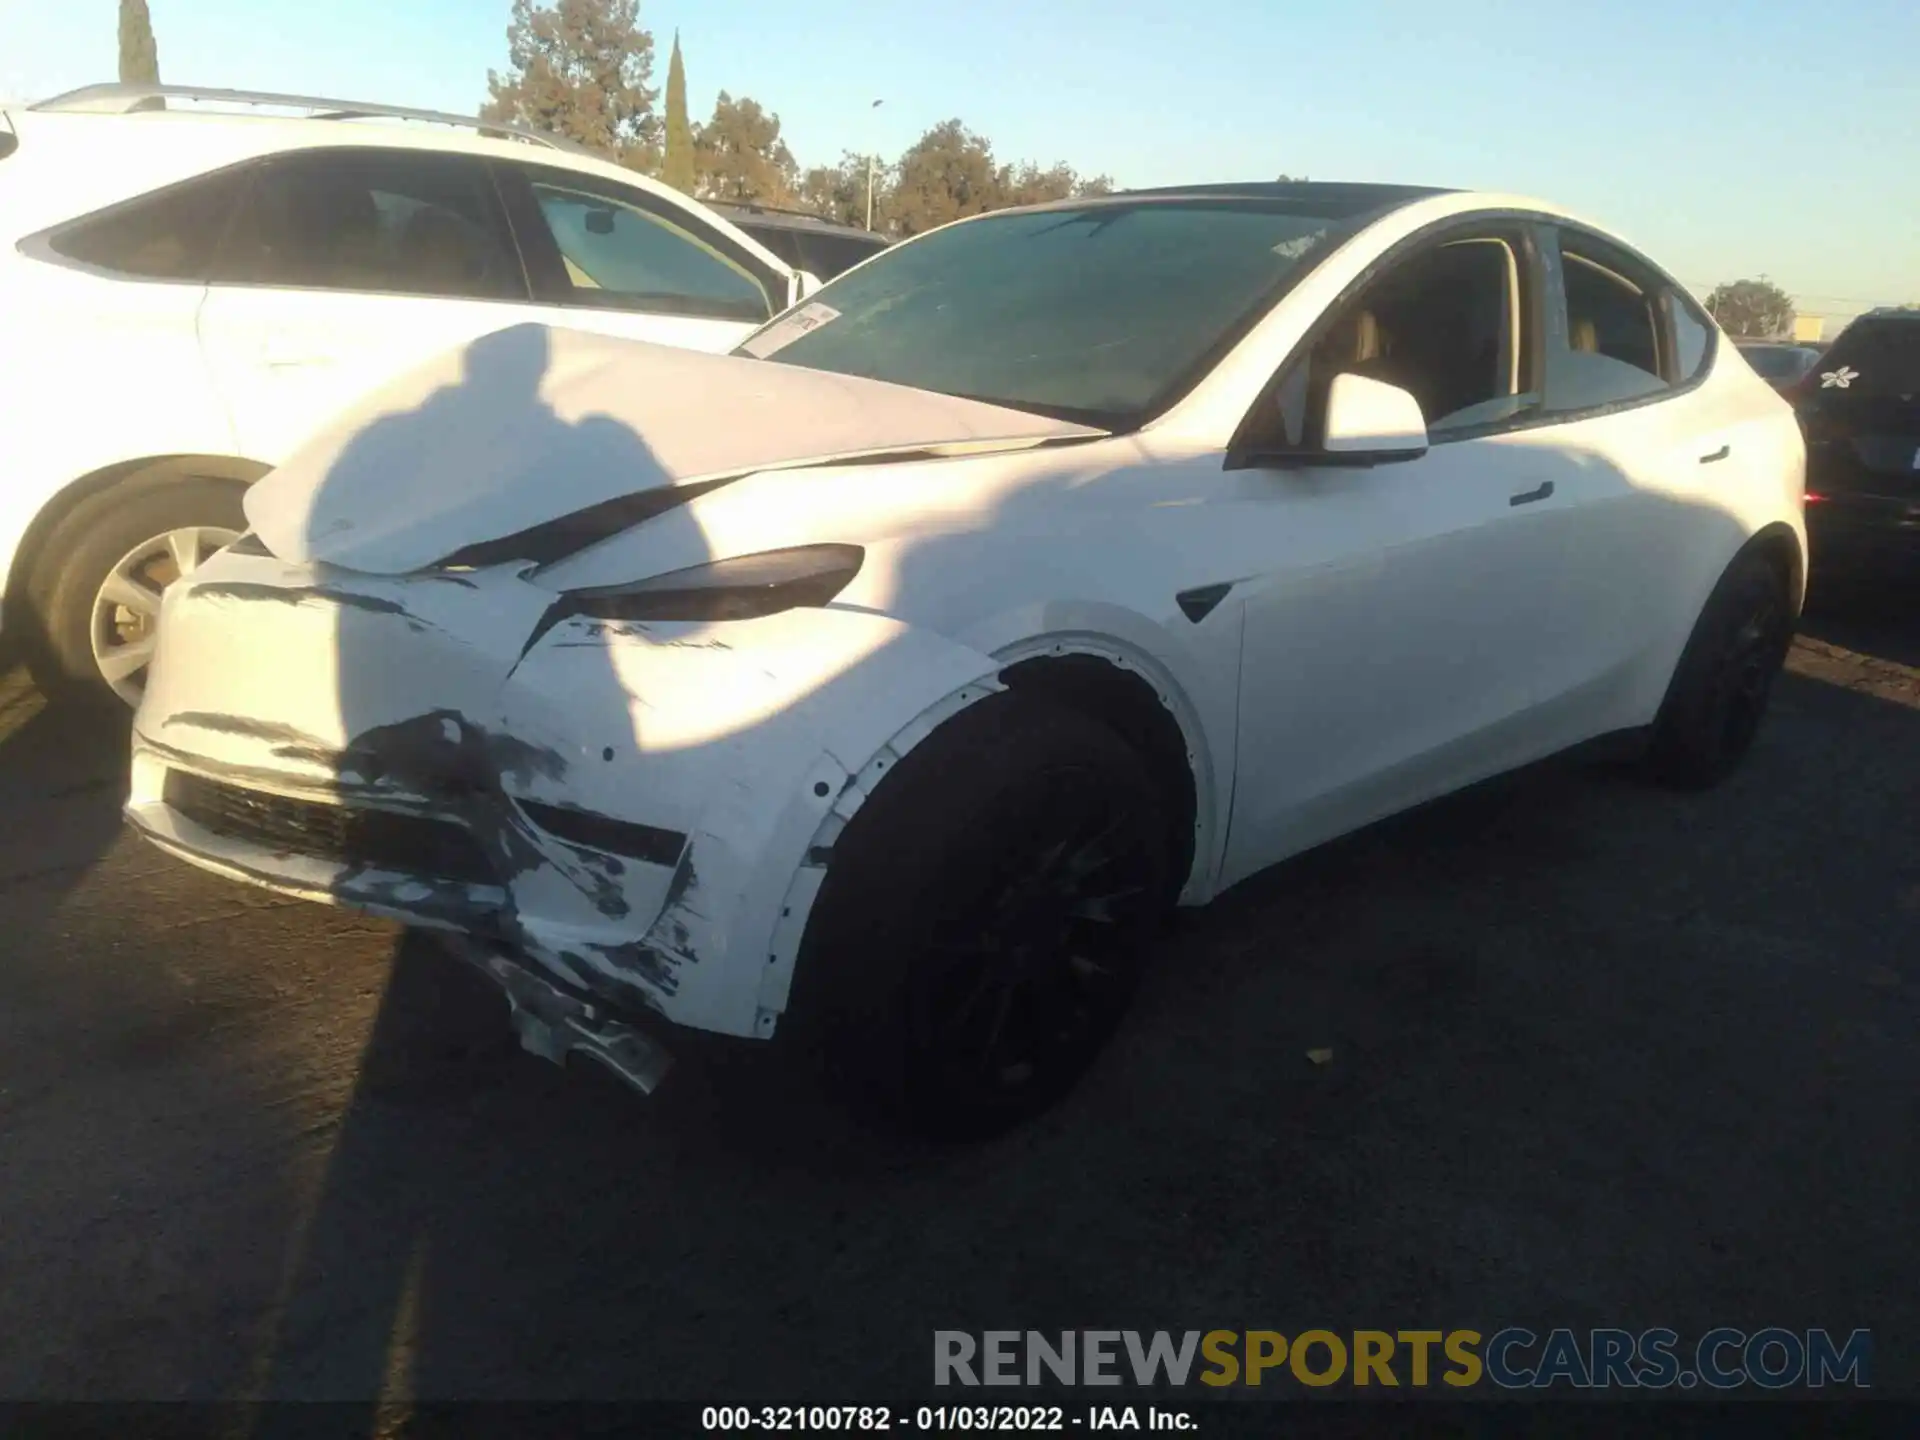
{"points": [[1620, 333], [1692, 336], [1608, 314], [384, 221]]}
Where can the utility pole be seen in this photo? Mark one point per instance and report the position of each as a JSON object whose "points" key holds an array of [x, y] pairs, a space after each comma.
{"points": [[871, 159]]}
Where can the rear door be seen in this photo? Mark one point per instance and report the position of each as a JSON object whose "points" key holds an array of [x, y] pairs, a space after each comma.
{"points": [[619, 260], [343, 268], [99, 362], [1860, 406], [1626, 356]]}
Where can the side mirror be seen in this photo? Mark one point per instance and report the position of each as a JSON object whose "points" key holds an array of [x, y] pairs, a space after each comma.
{"points": [[1371, 422]]}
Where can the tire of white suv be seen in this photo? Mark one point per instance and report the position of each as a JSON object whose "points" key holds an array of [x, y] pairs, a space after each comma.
{"points": [[94, 592]]}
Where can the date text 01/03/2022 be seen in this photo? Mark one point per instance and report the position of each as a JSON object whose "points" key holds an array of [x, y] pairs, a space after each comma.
{"points": [[941, 1419]]}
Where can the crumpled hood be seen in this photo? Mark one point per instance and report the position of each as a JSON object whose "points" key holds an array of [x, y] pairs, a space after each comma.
{"points": [[533, 423]]}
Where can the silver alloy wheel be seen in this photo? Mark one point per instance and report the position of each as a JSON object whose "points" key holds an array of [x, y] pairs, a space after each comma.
{"points": [[126, 611]]}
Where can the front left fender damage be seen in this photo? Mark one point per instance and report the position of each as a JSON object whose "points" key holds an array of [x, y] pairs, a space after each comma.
{"points": [[720, 759], [758, 736]]}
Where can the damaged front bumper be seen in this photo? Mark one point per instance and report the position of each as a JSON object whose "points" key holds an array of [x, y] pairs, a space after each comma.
{"points": [[623, 818], [554, 1025]]}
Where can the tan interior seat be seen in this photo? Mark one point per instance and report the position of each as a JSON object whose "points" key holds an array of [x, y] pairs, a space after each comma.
{"points": [[1367, 343], [1584, 337]]}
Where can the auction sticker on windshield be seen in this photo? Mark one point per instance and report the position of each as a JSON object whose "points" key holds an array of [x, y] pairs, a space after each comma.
{"points": [[789, 328]]}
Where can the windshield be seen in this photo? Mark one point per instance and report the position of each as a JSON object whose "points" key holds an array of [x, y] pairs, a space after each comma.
{"points": [[1101, 314]]}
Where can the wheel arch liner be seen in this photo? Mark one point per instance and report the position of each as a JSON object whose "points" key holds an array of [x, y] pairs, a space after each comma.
{"points": [[1208, 819]]}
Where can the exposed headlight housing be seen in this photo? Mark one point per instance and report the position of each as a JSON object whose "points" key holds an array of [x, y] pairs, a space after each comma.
{"points": [[744, 587]]}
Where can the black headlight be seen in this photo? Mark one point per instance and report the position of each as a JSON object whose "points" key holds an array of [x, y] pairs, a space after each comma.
{"points": [[744, 587]]}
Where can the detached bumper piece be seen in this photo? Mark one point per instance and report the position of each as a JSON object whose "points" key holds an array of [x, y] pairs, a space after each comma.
{"points": [[554, 1024]]}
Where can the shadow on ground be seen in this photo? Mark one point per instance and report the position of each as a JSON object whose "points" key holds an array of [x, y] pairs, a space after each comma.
{"points": [[1875, 610], [1600, 1055]]}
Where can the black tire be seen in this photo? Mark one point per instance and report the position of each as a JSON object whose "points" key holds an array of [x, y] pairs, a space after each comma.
{"points": [[981, 928], [85, 546], [1719, 692]]}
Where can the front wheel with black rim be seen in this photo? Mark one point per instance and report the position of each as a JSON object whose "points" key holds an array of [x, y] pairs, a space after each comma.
{"points": [[1719, 693], [981, 929]]}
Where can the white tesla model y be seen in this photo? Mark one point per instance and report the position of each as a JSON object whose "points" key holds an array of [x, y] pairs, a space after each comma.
{"points": [[888, 677]]}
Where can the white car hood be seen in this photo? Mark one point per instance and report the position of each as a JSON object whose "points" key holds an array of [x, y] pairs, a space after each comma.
{"points": [[532, 423]]}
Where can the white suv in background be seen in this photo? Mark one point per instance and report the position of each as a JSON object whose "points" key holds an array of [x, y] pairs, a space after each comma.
{"points": [[195, 280]]}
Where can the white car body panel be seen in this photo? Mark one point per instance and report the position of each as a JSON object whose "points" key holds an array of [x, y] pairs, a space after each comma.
{"points": [[102, 371], [1512, 629], [1417, 575], [83, 395]]}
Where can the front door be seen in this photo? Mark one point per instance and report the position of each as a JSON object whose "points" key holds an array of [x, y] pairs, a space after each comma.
{"points": [[1394, 634]]}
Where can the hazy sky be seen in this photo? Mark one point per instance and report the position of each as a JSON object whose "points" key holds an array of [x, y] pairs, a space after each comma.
{"points": [[1728, 139]]}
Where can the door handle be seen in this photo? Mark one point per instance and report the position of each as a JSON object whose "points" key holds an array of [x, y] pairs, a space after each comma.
{"points": [[1527, 497], [1720, 454]]}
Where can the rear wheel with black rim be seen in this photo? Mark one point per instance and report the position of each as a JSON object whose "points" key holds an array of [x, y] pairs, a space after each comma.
{"points": [[1720, 691], [984, 918]]}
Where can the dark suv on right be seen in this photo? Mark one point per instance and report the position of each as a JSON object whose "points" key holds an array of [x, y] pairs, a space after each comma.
{"points": [[1860, 408]]}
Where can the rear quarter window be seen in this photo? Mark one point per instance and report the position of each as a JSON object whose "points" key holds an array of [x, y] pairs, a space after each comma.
{"points": [[171, 234], [1692, 336]]}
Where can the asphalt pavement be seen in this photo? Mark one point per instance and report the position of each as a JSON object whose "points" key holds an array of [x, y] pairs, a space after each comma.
{"points": [[1600, 1055]]}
